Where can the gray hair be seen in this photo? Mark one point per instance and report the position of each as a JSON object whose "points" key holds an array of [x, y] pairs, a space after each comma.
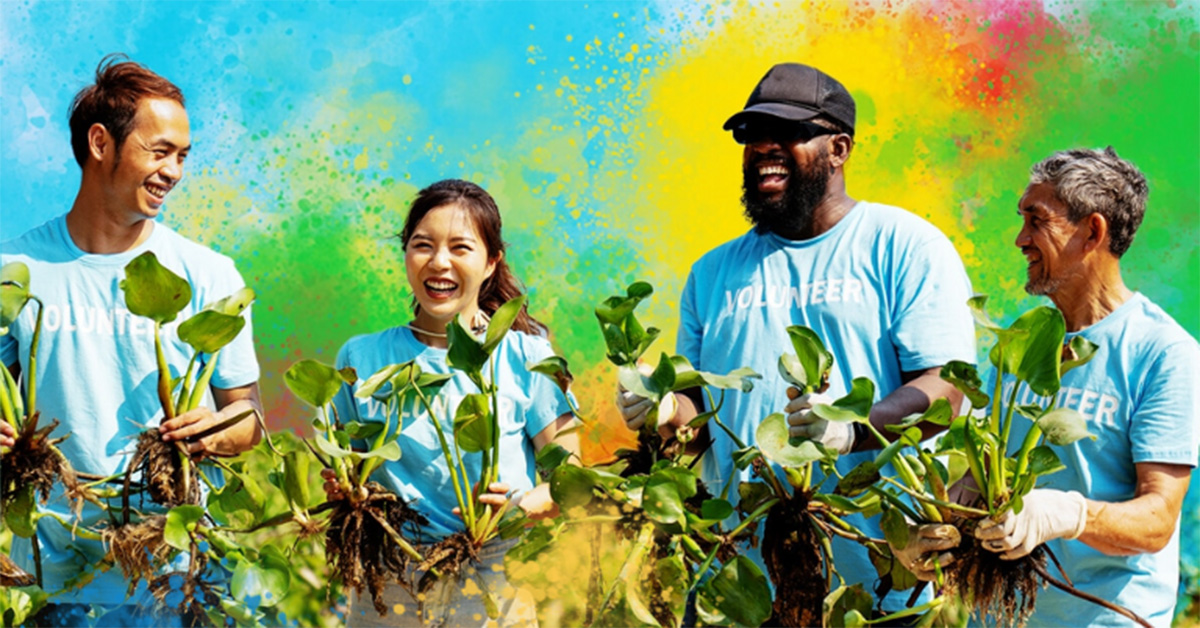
{"points": [[1097, 182]]}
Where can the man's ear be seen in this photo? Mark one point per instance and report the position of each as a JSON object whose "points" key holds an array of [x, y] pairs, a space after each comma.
{"points": [[1097, 237], [839, 150], [100, 142]]}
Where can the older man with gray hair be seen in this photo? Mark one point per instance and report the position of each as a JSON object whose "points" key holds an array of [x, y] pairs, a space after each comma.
{"points": [[1112, 517]]}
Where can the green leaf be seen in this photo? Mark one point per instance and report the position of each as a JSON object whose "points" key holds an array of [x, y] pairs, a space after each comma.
{"points": [[20, 514], [854, 407], [296, 478], [474, 424], [239, 504], [313, 382], [153, 291], [465, 352], [859, 478], [551, 456], [751, 495], [847, 606], [639, 290], [1043, 461], [1082, 351], [268, 579], [661, 499], [571, 486], [390, 450], [362, 431], [501, 322], [555, 368], [618, 346], [663, 376], [209, 330], [1064, 426], [14, 292], [895, 528], [738, 379], [744, 457], [740, 591], [978, 306], [815, 360], [938, 413], [385, 380], [1033, 352], [233, 304], [778, 447], [716, 509], [965, 377], [639, 384], [181, 520]]}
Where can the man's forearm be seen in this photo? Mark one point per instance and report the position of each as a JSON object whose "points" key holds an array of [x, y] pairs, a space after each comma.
{"points": [[244, 434], [914, 397]]}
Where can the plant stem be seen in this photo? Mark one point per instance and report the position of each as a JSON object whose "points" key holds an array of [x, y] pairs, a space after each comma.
{"points": [[758, 513], [31, 377], [164, 376], [6, 402], [202, 383], [934, 604], [185, 387], [1008, 413], [464, 506], [938, 502]]}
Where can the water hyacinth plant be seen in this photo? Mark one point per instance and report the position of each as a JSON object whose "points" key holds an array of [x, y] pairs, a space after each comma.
{"points": [[992, 472], [650, 502]]}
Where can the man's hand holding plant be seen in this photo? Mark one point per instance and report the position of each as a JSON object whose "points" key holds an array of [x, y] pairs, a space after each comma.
{"points": [[803, 423]]}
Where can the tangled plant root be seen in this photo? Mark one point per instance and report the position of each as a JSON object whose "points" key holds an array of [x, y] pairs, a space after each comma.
{"points": [[35, 461], [364, 554], [1004, 591], [449, 557], [792, 552], [193, 595], [162, 471], [138, 547]]}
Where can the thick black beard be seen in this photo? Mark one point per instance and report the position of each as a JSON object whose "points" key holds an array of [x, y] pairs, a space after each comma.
{"points": [[792, 214]]}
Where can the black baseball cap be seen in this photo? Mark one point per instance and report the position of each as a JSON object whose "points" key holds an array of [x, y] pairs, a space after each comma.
{"points": [[794, 91]]}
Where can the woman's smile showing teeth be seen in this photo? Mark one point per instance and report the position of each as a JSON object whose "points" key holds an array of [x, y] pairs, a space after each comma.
{"points": [[440, 288]]}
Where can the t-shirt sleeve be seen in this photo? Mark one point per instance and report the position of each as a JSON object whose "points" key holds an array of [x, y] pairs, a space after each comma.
{"points": [[546, 401], [1165, 426], [932, 323], [237, 364], [690, 338]]}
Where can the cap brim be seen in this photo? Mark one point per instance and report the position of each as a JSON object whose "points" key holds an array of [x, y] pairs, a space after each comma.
{"points": [[773, 109]]}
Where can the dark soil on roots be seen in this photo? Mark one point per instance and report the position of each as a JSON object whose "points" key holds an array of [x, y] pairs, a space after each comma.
{"points": [[791, 550], [639, 461], [1001, 591], [162, 471], [449, 557], [364, 554], [34, 461]]}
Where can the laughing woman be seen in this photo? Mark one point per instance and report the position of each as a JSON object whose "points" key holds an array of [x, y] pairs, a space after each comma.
{"points": [[454, 260]]}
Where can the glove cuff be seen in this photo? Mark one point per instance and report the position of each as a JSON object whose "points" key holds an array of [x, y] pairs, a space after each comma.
{"points": [[1079, 505]]}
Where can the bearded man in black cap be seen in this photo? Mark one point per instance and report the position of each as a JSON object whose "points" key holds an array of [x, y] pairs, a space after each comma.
{"points": [[884, 289]]}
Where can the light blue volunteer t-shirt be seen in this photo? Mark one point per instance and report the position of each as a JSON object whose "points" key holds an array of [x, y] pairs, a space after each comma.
{"points": [[97, 371], [528, 403], [885, 291], [1140, 395]]}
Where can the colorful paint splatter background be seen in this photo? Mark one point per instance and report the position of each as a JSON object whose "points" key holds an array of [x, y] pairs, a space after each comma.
{"points": [[597, 128]]}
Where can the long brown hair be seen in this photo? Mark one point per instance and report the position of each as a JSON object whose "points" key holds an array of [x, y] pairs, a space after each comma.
{"points": [[502, 286]]}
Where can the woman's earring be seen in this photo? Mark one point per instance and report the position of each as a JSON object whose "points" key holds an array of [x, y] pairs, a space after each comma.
{"points": [[479, 322]]}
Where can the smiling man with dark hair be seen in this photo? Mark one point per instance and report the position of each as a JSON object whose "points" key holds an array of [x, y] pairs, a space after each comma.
{"points": [[98, 365]]}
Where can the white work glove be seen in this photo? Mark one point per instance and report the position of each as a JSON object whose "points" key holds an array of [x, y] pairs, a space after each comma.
{"points": [[634, 408], [802, 423], [924, 543], [1047, 514]]}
